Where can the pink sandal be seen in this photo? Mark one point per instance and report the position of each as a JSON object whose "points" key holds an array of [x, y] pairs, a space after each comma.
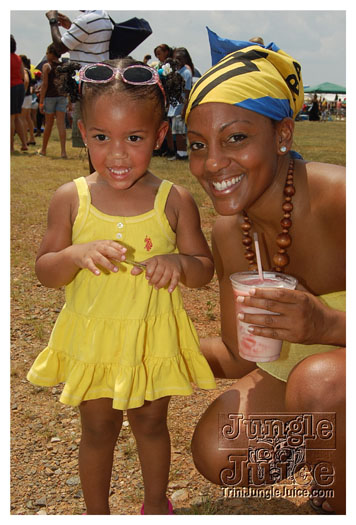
{"points": [[170, 508]]}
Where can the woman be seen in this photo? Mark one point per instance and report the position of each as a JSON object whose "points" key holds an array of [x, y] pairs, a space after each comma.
{"points": [[240, 119], [314, 113], [27, 103], [163, 52], [17, 95], [52, 103], [182, 55]]}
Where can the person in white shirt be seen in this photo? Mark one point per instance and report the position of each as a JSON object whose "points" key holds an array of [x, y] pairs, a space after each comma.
{"points": [[87, 40]]}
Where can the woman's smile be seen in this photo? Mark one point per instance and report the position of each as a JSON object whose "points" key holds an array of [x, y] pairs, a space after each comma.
{"points": [[227, 185]]}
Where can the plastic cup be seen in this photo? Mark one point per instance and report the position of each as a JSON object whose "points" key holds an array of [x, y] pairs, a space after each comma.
{"points": [[254, 347]]}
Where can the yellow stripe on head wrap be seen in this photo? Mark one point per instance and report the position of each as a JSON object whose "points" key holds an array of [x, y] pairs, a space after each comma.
{"points": [[264, 80]]}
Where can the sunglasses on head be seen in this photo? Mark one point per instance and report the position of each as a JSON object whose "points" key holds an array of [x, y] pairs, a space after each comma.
{"points": [[137, 75]]}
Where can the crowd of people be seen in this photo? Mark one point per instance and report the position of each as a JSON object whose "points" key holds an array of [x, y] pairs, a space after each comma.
{"points": [[42, 105], [123, 228], [50, 105], [318, 108]]}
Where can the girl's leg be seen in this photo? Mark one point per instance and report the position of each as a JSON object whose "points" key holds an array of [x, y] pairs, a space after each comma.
{"points": [[317, 384], [149, 425], [61, 125], [101, 425], [49, 119]]}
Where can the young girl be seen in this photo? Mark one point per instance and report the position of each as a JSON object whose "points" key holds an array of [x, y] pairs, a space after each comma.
{"points": [[123, 340]]}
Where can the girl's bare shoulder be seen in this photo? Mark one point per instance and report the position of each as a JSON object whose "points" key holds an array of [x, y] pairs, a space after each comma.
{"points": [[180, 201], [67, 191], [65, 200]]}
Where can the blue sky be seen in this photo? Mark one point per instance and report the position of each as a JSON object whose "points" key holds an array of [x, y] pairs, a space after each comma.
{"points": [[316, 38]]}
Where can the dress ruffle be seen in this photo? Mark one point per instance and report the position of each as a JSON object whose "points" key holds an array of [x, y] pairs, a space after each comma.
{"points": [[149, 360]]}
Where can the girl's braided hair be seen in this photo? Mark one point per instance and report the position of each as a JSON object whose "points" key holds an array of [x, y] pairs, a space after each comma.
{"points": [[65, 79], [172, 82]]}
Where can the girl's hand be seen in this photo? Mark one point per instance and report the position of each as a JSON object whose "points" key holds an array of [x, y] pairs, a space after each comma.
{"points": [[98, 253], [162, 270], [303, 317]]}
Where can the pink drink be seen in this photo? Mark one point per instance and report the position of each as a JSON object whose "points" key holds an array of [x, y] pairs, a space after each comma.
{"points": [[253, 347]]}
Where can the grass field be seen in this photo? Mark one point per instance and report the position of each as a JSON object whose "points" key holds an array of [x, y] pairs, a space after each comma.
{"points": [[40, 467], [35, 178]]}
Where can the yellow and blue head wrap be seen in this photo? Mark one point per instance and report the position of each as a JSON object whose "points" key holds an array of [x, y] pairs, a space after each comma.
{"points": [[260, 78]]}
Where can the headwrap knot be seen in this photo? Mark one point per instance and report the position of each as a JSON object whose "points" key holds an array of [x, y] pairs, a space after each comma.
{"points": [[260, 78]]}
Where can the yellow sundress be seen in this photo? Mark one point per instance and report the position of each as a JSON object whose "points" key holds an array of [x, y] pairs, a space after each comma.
{"points": [[293, 353], [117, 336]]}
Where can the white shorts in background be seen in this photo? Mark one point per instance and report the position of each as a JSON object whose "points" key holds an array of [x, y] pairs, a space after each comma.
{"points": [[27, 102]]}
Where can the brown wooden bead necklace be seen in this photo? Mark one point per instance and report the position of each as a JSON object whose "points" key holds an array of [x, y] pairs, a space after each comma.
{"points": [[283, 240]]}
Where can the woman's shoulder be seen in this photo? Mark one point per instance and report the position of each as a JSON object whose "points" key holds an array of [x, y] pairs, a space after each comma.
{"points": [[326, 187], [326, 181], [325, 171], [45, 70]]}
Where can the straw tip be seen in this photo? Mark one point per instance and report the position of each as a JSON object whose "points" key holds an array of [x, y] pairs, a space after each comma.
{"points": [[255, 236]]}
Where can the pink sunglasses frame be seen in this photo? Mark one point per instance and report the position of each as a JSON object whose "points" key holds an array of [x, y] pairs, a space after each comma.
{"points": [[120, 71]]}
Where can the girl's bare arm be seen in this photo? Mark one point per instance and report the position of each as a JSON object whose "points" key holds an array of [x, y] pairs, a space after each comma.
{"points": [[196, 257], [58, 260]]}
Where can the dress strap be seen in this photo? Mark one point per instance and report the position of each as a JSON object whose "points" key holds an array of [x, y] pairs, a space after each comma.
{"points": [[160, 205], [83, 209], [162, 195]]}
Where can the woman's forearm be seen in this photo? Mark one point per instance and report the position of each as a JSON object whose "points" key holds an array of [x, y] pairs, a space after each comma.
{"points": [[335, 332]]}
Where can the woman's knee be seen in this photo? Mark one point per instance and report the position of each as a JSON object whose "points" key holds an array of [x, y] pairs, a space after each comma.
{"points": [[317, 382], [210, 450], [220, 441]]}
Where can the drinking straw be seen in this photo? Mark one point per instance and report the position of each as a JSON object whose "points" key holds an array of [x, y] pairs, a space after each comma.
{"points": [[258, 256]]}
